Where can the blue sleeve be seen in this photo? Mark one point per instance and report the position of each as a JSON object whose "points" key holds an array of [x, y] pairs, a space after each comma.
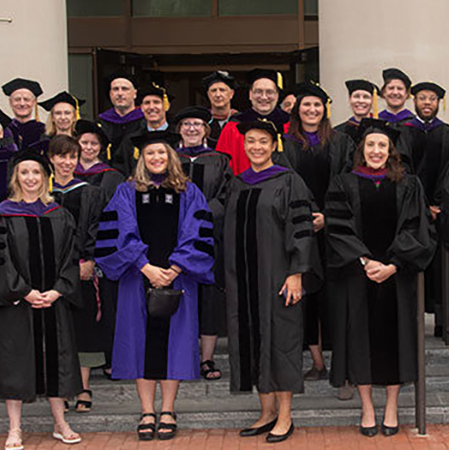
{"points": [[194, 252], [119, 246]]}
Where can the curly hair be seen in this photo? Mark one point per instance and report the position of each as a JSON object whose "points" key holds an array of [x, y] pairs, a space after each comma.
{"points": [[325, 131], [176, 179], [395, 170]]}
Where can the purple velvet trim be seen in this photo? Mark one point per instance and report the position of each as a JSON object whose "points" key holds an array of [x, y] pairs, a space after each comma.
{"points": [[69, 184], [112, 116], [249, 176], [96, 168], [194, 151], [37, 208], [425, 126], [158, 178], [312, 138], [370, 174], [393, 118]]}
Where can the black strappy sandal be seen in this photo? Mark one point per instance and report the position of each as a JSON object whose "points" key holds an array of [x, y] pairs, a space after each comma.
{"points": [[208, 367], [84, 406], [171, 427], [146, 431]]}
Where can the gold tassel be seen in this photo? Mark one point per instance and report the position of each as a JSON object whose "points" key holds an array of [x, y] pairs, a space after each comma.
{"points": [[280, 81], [280, 145], [136, 153], [108, 152], [328, 108], [50, 182], [444, 102], [375, 104], [77, 109], [36, 111], [166, 102]]}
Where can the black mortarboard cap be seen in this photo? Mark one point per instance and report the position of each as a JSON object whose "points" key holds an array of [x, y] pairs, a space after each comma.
{"points": [[428, 86], [158, 91], [396, 74], [86, 126], [259, 124], [361, 85], [62, 97], [369, 126], [120, 74], [257, 74], [154, 137], [216, 77], [30, 155], [308, 88], [5, 120], [197, 112], [21, 83]]}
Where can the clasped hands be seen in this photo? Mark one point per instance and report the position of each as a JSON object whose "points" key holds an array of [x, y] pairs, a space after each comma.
{"points": [[42, 299], [378, 272], [160, 277]]}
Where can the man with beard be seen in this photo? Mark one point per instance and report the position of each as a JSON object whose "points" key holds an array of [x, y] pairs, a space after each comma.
{"points": [[123, 118], [427, 140], [220, 88], [154, 103], [264, 95]]}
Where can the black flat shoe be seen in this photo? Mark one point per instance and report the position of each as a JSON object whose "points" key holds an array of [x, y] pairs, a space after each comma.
{"points": [[369, 431], [250, 432], [274, 438], [389, 431], [146, 431]]}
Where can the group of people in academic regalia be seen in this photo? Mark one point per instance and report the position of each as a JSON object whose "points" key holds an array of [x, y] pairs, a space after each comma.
{"points": [[125, 241]]}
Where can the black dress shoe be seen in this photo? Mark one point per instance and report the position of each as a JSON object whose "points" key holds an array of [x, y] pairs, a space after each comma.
{"points": [[273, 438], [369, 431], [389, 431], [250, 432]]}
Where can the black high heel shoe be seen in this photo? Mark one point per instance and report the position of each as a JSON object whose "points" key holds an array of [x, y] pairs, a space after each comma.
{"points": [[250, 432], [389, 431], [368, 431]]}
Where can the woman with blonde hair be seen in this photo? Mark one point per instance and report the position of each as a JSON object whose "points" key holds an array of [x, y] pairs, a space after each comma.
{"points": [[64, 112], [38, 352], [156, 239]]}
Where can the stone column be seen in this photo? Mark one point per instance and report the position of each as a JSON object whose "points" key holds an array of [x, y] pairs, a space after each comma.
{"points": [[34, 45], [359, 38]]}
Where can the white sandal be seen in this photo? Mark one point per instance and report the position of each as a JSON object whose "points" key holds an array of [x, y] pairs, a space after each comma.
{"points": [[67, 438], [16, 443]]}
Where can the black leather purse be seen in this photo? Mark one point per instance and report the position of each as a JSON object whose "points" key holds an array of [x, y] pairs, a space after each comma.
{"points": [[163, 303]]}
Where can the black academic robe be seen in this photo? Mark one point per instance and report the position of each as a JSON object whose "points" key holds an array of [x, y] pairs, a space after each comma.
{"points": [[411, 250], [86, 203], [211, 173], [38, 351], [127, 153], [106, 179], [269, 236], [351, 128]]}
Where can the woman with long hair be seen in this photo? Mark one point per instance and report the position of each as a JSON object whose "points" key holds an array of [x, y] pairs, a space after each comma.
{"points": [[64, 109], [316, 152], [38, 285], [379, 235], [211, 173], [155, 238]]}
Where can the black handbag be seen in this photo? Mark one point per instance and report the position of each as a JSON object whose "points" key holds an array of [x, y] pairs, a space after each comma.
{"points": [[163, 303]]}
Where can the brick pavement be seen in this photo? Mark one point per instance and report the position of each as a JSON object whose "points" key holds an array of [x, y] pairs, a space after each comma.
{"points": [[336, 438]]}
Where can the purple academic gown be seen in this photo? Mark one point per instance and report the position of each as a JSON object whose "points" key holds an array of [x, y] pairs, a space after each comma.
{"points": [[122, 257]]}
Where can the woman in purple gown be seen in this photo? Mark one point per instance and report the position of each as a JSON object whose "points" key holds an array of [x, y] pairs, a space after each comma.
{"points": [[156, 230]]}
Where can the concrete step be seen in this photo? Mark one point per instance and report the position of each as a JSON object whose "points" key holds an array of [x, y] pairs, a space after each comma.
{"points": [[234, 412]]}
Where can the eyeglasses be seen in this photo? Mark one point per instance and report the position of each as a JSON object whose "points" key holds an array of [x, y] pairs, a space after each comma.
{"points": [[267, 92], [195, 125], [425, 98]]}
